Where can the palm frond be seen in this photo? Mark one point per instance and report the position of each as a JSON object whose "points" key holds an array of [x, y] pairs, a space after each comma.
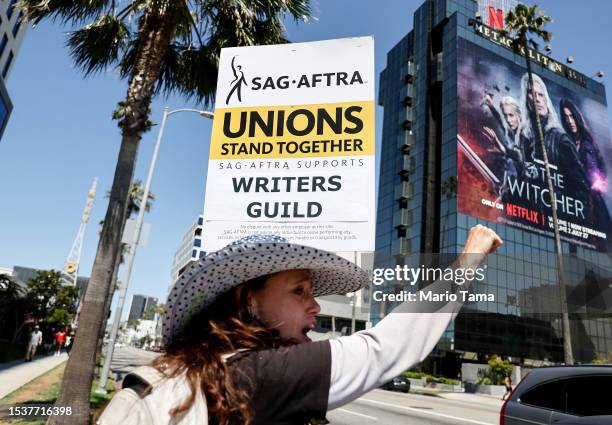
{"points": [[300, 10], [270, 30], [193, 75], [525, 20], [66, 11], [99, 44]]}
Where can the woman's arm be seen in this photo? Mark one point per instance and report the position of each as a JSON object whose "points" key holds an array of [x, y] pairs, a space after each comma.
{"points": [[367, 359]]}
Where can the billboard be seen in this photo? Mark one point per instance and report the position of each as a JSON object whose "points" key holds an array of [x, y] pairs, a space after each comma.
{"points": [[500, 167], [292, 148]]}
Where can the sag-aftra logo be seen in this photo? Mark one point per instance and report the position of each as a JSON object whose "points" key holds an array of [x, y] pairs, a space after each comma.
{"points": [[326, 79]]}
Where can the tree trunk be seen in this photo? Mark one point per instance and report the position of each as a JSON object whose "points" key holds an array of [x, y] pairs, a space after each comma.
{"points": [[154, 37], [565, 324], [112, 287], [107, 303]]}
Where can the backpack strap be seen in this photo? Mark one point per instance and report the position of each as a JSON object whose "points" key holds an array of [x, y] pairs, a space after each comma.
{"points": [[233, 355], [141, 380]]}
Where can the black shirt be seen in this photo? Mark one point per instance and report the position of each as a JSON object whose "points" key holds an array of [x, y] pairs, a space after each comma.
{"points": [[289, 385]]}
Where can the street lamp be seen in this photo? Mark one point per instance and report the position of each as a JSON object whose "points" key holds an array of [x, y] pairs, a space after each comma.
{"points": [[353, 302], [134, 243]]}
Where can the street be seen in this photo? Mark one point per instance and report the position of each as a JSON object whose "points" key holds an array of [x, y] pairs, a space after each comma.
{"points": [[126, 359], [392, 408]]}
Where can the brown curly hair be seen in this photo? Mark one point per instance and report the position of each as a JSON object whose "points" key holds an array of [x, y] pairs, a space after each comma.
{"points": [[225, 327]]}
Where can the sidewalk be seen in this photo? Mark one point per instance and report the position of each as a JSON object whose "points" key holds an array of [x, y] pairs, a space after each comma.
{"points": [[473, 398], [18, 373]]}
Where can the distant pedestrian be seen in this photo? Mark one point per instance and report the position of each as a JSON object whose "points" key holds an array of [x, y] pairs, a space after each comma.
{"points": [[508, 385], [69, 342], [35, 340], [48, 340], [60, 340]]}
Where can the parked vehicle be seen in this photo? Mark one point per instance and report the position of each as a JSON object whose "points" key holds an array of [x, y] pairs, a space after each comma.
{"points": [[399, 383], [561, 395]]}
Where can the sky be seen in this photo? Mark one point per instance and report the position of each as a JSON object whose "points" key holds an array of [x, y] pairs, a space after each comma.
{"points": [[60, 134]]}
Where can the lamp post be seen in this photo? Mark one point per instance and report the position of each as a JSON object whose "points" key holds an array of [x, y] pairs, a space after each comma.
{"points": [[134, 243]]}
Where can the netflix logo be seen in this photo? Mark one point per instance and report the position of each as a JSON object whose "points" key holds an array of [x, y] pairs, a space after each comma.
{"points": [[496, 18], [524, 213]]}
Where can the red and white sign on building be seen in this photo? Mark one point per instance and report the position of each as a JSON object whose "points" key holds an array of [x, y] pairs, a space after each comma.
{"points": [[493, 11]]}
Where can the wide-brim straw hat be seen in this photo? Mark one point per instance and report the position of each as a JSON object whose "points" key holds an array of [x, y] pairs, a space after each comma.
{"points": [[245, 259]]}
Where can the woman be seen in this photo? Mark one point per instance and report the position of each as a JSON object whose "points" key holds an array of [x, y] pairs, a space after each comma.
{"points": [[236, 346], [594, 167], [508, 385], [590, 158]]}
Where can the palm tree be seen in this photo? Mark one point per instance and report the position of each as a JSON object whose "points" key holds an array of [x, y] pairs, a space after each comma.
{"points": [[135, 198], [522, 22], [158, 46], [133, 207]]}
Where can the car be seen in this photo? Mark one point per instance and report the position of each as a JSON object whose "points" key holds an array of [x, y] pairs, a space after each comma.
{"points": [[399, 383], [561, 395], [587, 420]]}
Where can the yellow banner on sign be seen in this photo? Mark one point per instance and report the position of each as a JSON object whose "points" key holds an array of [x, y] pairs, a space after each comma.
{"points": [[297, 131]]}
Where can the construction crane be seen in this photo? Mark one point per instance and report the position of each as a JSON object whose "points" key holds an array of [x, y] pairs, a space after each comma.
{"points": [[71, 268]]}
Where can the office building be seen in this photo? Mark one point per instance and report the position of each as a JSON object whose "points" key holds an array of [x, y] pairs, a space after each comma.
{"points": [[12, 32], [189, 250], [341, 314], [141, 306], [448, 90]]}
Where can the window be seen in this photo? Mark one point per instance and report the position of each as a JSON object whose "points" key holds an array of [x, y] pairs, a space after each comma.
{"points": [[548, 396], [11, 9], [200, 220], [581, 396], [7, 65], [194, 253], [3, 44], [17, 24], [3, 113], [197, 242], [588, 396], [324, 323]]}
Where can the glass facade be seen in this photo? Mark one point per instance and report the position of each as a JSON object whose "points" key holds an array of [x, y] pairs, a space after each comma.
{"points": [[417, 201]]}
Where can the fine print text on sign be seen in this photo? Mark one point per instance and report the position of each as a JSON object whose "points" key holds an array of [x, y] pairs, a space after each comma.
{"points": [[292, 148]]}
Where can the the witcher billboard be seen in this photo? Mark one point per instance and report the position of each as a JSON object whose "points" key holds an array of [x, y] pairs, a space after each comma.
{"points": [[500, 164]]}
